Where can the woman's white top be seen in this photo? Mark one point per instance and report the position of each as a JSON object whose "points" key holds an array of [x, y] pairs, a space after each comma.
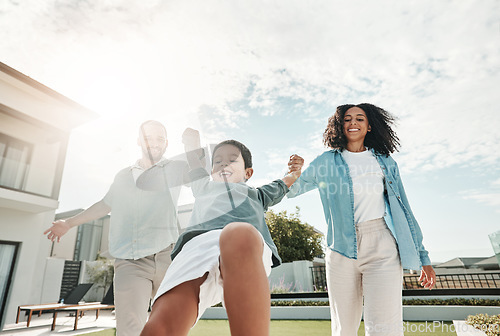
{"points": [[368, 185]]}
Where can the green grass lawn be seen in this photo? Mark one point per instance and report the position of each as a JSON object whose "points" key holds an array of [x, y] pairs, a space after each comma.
{"points": [[315, 327], [303, 327], [107, 332], [278, 328]]}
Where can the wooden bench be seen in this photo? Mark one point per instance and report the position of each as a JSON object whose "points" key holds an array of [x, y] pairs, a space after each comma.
{"points": [[39, 308], [71, 299], [79, 310]]}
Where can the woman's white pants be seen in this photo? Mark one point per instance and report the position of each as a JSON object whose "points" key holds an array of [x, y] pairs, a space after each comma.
{"points": [[375, 277]]}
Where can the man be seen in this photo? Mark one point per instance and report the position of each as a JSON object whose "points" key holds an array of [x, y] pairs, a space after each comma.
{"points": [[143, 228]]}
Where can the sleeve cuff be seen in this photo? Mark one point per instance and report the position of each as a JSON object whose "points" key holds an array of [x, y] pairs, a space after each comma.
{"points": [[424, 258], [283, 185]]}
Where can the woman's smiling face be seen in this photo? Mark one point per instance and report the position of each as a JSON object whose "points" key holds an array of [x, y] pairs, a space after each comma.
{"points": [[355, 124]]}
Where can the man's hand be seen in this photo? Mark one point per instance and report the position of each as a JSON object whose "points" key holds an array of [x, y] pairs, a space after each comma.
{"points": [[58, 229], [191, 139], [428, 277]]}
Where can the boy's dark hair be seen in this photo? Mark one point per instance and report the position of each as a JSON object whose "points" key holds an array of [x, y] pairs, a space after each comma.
{"points": [[381, 138], [245, 152]]}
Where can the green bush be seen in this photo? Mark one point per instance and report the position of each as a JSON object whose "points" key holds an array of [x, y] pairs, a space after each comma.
{"points": [[452, 302], [490, 325], [101, 272], [293, 303], [421, 302], [415, 302]]}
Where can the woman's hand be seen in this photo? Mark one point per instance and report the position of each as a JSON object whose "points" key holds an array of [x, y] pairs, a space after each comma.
{"points": [[294, 169], [295, 165], [427, 277]]}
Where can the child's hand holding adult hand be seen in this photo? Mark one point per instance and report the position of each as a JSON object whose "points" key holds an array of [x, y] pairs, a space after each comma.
{"points": [[294, 169]]}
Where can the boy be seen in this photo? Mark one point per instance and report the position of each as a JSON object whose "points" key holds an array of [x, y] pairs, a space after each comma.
{"points": [[227, 252]]}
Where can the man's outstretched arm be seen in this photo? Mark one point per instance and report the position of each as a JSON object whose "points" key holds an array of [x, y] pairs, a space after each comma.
{"points": [[61, 226]]}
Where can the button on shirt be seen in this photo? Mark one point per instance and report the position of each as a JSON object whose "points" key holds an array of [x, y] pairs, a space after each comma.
{"points": [[144, 220]]}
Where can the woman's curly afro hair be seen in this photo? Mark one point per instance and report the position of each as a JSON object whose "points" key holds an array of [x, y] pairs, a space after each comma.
{"points": [[381, 138]]}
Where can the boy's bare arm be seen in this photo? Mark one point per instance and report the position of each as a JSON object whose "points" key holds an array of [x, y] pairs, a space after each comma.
{"points": [[192, 147], [294, 170]]}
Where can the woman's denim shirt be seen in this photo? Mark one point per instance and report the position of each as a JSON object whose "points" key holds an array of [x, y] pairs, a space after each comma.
{"points": [[330, 174]]}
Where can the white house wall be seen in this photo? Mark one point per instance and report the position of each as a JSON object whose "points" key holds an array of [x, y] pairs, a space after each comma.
{"points": [[26, 228], [65, 249], [292, 277], [52, 280], [32, 112]]}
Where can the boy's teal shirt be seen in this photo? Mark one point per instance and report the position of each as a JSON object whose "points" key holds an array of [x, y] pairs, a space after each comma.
{"points": [[218, 204], [330, 174]]}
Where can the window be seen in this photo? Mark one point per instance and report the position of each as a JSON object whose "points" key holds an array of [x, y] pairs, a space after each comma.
{"points": [[8, 253], [88, 240], [15, 157]]}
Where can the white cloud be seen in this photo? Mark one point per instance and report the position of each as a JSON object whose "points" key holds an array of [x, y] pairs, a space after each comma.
{"points": [[488, 198], [433, 64]]}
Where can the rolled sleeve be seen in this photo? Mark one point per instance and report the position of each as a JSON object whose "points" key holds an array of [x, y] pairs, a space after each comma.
{"points": [[306, 182]]}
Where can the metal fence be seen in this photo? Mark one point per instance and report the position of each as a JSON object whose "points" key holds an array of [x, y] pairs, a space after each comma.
{"points": [[452, 281], [443, 281], [319, 278]]}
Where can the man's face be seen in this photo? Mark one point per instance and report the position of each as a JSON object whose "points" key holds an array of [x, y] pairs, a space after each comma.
{"points": [[153, 141], [228, 165]]}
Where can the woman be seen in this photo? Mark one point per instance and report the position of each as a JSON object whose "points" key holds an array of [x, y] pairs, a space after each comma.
{"points": [[372, 233]]}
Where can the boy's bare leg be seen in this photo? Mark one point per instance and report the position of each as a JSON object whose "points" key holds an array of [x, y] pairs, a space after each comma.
{"points": [[175, 312], [246, 288]]}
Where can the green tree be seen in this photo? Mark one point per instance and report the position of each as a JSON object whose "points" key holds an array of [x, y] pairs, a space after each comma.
{"points": [[101, 272], [295, 240]]}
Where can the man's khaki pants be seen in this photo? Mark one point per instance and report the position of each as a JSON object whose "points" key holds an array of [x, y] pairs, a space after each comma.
{"points": [[135, 283], [376, 276]]}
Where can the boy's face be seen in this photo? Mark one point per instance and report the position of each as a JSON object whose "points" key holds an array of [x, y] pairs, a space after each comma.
{"points": [[228, 165]]}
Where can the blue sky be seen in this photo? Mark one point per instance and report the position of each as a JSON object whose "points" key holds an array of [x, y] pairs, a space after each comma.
{"points": [[270, 75]]}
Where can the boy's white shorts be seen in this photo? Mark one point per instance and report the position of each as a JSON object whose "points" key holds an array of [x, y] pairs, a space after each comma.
{"points": [[197, 257]]}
